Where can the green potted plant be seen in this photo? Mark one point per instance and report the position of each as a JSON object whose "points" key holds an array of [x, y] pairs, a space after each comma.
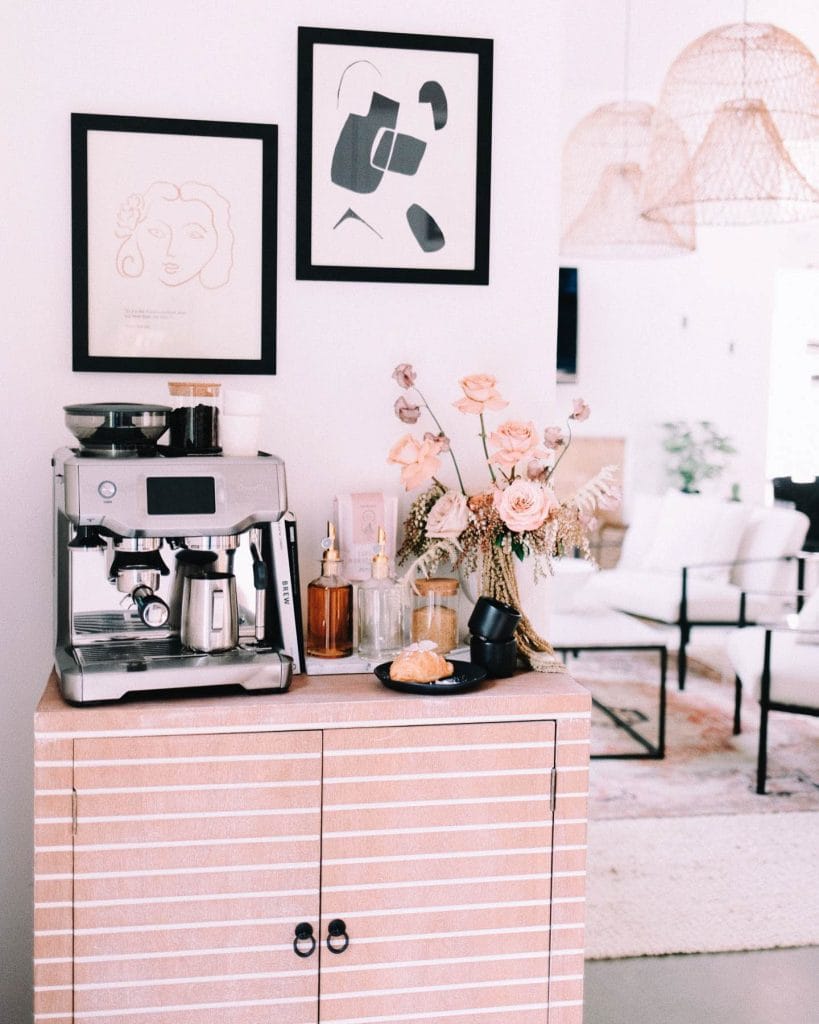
{"points": [[695, 451]]}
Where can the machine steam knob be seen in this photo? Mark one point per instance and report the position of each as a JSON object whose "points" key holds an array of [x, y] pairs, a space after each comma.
{"points": [[152, 609]]}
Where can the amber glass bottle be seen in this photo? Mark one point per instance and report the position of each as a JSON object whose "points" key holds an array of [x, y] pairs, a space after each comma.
{"points": [[330, 607]]}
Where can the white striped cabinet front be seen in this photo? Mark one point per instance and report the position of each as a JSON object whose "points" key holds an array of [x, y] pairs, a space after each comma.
{"points": [[194, 858]]}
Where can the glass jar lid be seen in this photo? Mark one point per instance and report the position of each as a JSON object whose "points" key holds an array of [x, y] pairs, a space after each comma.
{"points": [[440, 585], [194, 389]]}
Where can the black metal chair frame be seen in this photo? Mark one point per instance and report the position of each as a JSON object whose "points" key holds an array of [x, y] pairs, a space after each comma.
{"points": [[685, 625], [765, 702], [765, 706], [798, 597]]}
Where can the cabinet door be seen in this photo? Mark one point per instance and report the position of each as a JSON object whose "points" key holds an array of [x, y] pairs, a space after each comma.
{"points": [[195, 858], [436, 854]]}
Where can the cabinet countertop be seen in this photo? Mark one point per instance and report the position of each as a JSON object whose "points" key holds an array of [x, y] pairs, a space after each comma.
{"points": [[326, 701]]}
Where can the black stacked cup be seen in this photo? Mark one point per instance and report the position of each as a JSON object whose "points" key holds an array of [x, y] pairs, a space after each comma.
{"points": [[492, 645]]}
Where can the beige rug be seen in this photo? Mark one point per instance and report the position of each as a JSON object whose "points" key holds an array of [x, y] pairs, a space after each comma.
{"points": [[684, 856], [694, 885]]}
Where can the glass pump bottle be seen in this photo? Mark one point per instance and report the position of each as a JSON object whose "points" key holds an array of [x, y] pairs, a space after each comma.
{"points": [[330, 606], [380, 608]]}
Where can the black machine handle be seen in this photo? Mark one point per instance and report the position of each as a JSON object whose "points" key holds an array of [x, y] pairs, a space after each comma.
{"points": [[259, 569], [152, 609], [337, 929], [304, 933], [260, 583]]}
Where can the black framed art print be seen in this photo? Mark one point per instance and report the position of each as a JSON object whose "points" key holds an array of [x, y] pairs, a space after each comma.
{"points": [[174, 245], [394, 148]]}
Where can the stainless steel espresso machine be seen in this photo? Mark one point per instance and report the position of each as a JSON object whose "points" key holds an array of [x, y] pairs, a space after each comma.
{"points": [[171, 571]]}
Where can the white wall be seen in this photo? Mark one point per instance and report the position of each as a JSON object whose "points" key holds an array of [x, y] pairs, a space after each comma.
{"points": [[793, 423], [682, 338], [329, 409], [685, 337]]}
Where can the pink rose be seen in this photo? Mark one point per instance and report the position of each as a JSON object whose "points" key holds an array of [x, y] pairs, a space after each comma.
{"points": [[580, 410], [406, 411], [524, 505], [404, 375], [515, 442], [480, 394], [418, 460], [553, 438], [449, 516], [404, 451]]}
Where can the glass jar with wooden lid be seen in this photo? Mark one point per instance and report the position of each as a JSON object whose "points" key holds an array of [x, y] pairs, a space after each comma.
{"points": [[194, 420], [435, 612]]}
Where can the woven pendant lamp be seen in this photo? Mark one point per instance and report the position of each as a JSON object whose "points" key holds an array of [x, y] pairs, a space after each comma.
{"points": [[746, 99], [603, 162]]}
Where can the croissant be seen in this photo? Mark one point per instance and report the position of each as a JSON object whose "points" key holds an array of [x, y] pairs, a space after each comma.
{"points": [[420, 667]]}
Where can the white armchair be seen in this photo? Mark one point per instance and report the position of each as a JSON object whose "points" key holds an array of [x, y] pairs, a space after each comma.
{"points": [[780, 665], [687, 559]]}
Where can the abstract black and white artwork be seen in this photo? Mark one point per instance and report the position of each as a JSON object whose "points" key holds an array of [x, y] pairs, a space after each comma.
{"points": [[394, 157]]}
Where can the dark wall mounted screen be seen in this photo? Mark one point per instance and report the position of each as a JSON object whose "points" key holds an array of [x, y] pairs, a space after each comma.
{"points": [[181, 495], [567, 324]]}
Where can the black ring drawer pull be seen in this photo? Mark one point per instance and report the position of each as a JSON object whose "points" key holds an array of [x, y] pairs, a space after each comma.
{"points": [[335, 930], [304, 931]]}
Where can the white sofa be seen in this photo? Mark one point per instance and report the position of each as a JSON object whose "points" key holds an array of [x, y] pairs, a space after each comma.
{"points": [[687, 559], [780, 666]]}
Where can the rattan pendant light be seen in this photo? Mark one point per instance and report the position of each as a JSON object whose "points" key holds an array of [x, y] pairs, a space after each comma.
{"points": [[603, 163], [746, 99], [602, 171]]}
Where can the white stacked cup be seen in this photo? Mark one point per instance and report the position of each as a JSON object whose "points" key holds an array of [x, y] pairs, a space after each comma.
{"points": [[240, 423]]}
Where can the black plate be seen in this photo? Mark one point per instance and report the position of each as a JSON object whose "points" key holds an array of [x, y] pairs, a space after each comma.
{"points": [[465, 677]]}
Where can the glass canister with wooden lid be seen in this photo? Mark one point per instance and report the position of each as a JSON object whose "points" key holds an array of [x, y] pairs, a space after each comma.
{"points": [[435, 612], [194, 420]]}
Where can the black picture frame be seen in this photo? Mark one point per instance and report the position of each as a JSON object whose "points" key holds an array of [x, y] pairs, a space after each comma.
{"points": [[327, 169], [130, 314]]}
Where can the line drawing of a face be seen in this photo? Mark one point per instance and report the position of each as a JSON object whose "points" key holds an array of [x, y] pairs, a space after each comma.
{"points": [[175, 234], [177, 239]]}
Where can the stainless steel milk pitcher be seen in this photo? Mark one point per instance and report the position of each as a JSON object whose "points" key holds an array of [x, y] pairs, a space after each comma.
{"points": [[210, 613]]}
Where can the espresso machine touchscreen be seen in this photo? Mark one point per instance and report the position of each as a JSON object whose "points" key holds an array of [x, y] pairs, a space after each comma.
{"points": [[173, 572]]}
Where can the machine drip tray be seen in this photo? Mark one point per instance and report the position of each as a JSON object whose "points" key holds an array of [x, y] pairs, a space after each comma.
{"points": [[110, 624], [129, 652], [104, 672]]}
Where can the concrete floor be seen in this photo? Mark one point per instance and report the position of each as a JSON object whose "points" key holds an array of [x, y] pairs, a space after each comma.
{"points": [[779, 986]]}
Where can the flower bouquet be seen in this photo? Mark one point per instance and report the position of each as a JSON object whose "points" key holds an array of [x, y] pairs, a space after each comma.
{"points": [[517, 515]]}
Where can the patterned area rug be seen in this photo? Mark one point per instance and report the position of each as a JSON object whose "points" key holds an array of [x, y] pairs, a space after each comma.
{"points": [[683, 855], [706, 770]]}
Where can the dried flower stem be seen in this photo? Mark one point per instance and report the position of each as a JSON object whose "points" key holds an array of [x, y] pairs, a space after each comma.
{"points": [[441, 431], [551, 472], [429, 560], [486, 450]]}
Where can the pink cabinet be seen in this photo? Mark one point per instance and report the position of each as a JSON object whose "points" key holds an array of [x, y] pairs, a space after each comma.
{"points": [[434, 848]]}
